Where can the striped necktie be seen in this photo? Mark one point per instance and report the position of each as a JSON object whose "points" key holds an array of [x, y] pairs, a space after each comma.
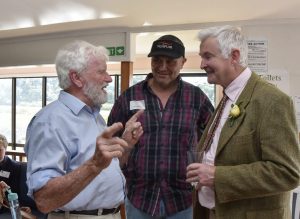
{"points": [[211, 132]]}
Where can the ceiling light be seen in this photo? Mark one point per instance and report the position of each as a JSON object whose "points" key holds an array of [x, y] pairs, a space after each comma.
{"points": [[147, 24], [21, 23], [142, 34], [59, 14], [107, 15]]}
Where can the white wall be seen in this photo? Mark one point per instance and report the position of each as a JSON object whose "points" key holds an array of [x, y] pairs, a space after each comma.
{"points": [[282, 36], [283, 49], [42, 49]]}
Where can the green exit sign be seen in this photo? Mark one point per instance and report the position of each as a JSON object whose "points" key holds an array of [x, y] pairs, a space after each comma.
{"points": [[116, 51]]}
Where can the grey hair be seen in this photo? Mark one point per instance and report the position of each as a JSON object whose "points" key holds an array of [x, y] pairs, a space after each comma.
{"points": [[76, 56], [229, 38], [3, 140]]}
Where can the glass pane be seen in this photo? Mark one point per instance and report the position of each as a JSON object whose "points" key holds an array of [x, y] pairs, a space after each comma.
{"points": [[200, 81], [28, 102], [106, 108], [52, 89], [138, 78], [5, 108]]}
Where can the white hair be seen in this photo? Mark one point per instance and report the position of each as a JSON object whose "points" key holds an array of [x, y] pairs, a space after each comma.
{"points": [[3, 141], [229, 38], [76, 56]]}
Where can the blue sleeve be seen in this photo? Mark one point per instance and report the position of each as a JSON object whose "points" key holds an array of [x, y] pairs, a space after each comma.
{"points": [[46, 153]]}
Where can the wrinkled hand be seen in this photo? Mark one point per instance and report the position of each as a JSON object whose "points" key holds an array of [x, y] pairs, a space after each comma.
{"points": [[3, 187], [26, 209], [26, 213], [108, 147], [133, 130], [204, 174]]}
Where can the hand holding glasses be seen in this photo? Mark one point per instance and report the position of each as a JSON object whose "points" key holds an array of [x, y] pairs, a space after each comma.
{"points": [[194, 156]]}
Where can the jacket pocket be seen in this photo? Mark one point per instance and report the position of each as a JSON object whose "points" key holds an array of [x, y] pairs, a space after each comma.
{"points": [[245, 146]]}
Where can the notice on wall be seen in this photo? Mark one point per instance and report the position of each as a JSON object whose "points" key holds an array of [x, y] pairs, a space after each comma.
{"points": [[280, 78], [258, 55], [297, 109]]}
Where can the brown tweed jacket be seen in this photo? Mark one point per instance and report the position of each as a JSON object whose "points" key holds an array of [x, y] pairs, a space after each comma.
{"points": [[258, 157]]}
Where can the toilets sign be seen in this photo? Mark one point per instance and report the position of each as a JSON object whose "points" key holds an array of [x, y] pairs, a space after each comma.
{"points": [[116, 51]]}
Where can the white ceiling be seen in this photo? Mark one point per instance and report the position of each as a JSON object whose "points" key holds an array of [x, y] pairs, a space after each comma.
{"points": [[31, 17]]}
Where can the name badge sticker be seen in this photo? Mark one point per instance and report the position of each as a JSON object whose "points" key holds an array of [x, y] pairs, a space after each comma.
{"points": [[137, 104], [4, 174]]}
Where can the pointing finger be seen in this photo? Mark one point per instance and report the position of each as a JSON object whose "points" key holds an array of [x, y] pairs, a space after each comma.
{"points": [[110, 131], [136, 116]]}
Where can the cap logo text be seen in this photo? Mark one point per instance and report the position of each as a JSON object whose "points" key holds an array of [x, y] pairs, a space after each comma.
{"points": [[165, 45]]}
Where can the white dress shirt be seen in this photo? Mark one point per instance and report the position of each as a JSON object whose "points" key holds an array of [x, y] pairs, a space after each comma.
{"points": [[206, 195]]}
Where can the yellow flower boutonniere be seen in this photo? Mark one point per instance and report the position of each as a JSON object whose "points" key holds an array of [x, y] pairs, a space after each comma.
{"points": [[234, 113]]}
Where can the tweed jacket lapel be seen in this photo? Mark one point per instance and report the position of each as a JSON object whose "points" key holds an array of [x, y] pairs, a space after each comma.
{"points": [[208, 125], [229, 127]]}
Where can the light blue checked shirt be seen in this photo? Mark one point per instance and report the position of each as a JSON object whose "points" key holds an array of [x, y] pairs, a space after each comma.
{"points": [[61, 137]]}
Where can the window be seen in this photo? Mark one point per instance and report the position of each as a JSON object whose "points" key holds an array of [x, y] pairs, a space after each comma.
{"points": [[111, 95], [28, 103], [138, 78], [52, 90], [201, 81], [197, 79], [6, 108], [21, 98]]}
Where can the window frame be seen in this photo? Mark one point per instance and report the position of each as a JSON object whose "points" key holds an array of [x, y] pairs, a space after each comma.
{"points": [[117, 89]]}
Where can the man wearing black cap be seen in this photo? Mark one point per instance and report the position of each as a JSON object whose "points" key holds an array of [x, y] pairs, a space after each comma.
{"points": [[175, 116]]}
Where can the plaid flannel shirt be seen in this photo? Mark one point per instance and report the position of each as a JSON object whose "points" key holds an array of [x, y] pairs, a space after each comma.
{"points": [[156, 168]]}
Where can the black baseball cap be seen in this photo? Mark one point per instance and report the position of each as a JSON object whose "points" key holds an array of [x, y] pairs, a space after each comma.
{"points": [[167, 45]]}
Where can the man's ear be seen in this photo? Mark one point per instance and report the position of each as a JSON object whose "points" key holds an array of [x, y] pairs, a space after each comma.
{"points": [[183, 62], [235, 55], [75, 78]]}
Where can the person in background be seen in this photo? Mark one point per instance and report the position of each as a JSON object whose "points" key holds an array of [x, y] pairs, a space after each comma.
{"points": [[252, 160], [10, 170], [4, 203], [175, 116], [11, 177], [73, 166]]}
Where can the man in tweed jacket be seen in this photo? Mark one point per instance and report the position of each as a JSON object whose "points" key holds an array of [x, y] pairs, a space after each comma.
{"points": [[253, 160]]}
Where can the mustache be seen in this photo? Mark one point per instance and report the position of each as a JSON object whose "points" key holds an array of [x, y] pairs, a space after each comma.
{"points": [[103, 85]]}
